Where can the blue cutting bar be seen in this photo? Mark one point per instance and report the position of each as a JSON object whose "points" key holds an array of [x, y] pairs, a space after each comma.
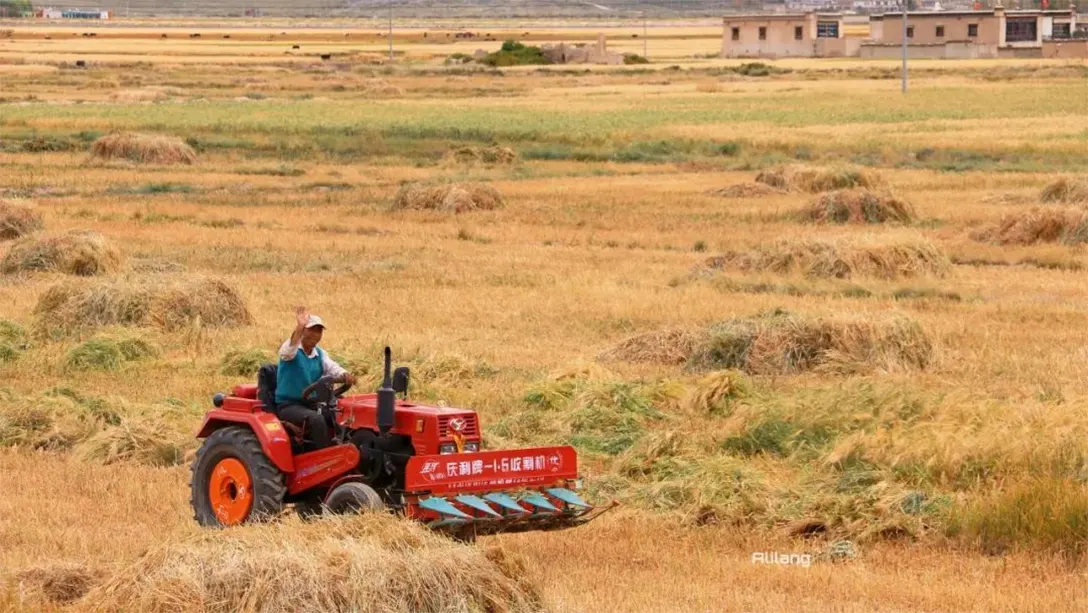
{"points": [[449, 522], [442, 505], [506, 502], [477, 503], [568, 497], [538, 500]]}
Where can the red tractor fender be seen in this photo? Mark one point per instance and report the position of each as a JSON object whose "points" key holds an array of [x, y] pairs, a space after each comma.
{"points": [[274, 439]]}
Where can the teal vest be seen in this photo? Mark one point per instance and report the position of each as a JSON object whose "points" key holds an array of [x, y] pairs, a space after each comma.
{"points": [[295, 375]]}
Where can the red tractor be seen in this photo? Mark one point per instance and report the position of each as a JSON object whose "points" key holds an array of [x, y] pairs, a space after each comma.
{"points": [[421, 461]]}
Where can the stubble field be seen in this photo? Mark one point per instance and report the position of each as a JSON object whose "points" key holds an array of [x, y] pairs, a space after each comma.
{"points": [[874, 353]]}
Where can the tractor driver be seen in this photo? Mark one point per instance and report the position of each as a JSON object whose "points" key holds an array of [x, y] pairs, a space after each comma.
{"points": [[301, 369]]}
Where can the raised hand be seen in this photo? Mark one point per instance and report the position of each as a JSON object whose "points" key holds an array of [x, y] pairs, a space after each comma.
{"points": [[301, 317]]}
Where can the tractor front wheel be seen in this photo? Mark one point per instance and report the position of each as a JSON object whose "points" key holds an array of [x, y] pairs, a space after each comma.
{"points": [[354, 497], [233, 482]]}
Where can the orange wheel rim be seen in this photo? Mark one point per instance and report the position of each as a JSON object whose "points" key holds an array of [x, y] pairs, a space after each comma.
{"points": [[230, 492]]}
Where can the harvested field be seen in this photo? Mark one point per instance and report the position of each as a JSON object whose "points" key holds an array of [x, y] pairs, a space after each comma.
{"points": [[1038, 225], [18, 220], [824, 428], [861, 206], [76, 252], [748, 190], [839, 259], [814, 180], [782, 343], [1067, 190], [452, 198], [365, 564], [171, 305], [143, 149]]}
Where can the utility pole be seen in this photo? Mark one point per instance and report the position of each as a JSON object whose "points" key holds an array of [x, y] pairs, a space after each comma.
{"points": [[645, 52], [390, 30], [905, 4]]}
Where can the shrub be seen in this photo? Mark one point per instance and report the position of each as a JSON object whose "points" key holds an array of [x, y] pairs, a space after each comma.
{"points": [[514, 53]]}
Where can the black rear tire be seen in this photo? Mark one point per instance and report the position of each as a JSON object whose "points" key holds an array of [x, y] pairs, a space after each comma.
{"points": [[267, 482], [354, 497]]}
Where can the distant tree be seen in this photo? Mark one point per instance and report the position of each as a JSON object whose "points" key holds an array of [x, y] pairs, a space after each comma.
{"points": [[16, 8]]}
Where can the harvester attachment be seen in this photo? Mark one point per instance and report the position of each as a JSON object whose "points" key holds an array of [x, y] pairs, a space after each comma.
{"points": [[498, 491]]}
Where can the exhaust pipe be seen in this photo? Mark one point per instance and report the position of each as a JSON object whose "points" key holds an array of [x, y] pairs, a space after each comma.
{"points": [[387, 398]]}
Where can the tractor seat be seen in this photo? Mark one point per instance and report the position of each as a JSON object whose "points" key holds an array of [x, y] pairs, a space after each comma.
{"points": [[245, 390]]}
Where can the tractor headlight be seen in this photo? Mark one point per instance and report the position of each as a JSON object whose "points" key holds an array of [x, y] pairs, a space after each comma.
{"points": [[446, 448], [472, 446]]}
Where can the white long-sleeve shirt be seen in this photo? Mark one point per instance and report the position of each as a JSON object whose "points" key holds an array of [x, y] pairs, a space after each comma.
{"points": [[329, 367]]}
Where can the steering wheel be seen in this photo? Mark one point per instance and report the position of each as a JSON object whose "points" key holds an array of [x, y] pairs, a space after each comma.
{"points": [[322, 391]]}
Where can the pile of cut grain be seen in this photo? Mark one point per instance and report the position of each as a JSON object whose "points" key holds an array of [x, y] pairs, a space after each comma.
{"points": [[143, 148], [451, 198], [171, 304], [76, 252]]}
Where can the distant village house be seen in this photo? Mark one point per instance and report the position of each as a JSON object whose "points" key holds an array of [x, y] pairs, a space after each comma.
{"points": [[787, 35]]}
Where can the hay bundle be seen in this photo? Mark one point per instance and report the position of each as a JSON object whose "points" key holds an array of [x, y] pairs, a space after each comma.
{"points": [[858, 206], [661, 347], [1067, 190], [380, 88], [452, 198], [143, 148], [106, 354], [59, 583], [484, 155], [132, 441], [748, 190], [171, 305], [48, 423], [782, 343], [1037, 225], [17, 220], [815, 180], [76, 252], [841, 259], [151, 93], [365, 564]]}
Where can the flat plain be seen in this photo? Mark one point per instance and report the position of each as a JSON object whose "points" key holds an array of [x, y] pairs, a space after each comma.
{"points": [[777, 306]]}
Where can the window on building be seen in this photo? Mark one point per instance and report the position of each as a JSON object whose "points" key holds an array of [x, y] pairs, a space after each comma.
{"points": [[1020, 30], [1061, 30], [940, 31], [736, 33], [798, 32], [827, 29], [972, 30], [910, 31], [762, 33]]}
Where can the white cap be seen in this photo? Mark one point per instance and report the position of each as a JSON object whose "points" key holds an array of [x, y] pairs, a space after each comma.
{"points": [[314, 321]]}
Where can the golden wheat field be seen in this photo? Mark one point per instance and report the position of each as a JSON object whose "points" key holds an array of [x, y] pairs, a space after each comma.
{"points": [[776, 307]]}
